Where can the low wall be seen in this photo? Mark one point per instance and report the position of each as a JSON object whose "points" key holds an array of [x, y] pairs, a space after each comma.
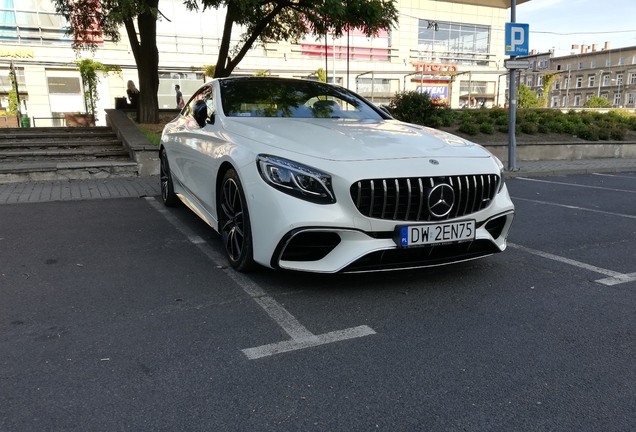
{"points": [[141, 150], [566, 151]]}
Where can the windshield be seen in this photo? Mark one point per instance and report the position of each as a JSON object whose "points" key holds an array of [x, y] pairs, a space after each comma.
{"points": [[271, 97]]}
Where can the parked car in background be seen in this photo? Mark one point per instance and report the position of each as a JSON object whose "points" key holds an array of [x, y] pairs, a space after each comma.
{"points": [[302, 175]]}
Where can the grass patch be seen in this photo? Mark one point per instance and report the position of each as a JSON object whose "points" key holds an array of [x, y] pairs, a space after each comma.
{"points": [[153, 137]]}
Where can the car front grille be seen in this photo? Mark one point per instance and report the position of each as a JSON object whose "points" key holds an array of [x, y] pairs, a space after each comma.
{"points": [[407, 199]]}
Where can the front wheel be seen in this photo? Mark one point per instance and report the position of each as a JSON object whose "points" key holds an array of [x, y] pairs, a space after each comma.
{"points": [[234, 223]]}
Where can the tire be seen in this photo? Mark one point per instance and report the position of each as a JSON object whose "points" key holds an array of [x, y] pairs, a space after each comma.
{"points": [[234, 223], [170, 199]]}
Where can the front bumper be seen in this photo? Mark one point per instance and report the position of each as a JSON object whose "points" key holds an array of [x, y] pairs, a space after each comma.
{"points": [[332, 249]]}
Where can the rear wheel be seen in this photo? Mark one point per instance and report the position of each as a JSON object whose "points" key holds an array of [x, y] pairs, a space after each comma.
{"points": [[170, 199], [234, 223]]}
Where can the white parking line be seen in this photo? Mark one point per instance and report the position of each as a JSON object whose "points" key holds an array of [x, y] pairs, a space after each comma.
{"points": [[575, 207], [614, 175], [576, 185], [614, 278], [301, 337]]}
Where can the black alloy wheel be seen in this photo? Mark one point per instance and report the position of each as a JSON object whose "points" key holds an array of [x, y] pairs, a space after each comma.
{"points": [[234, 223], [170, 199]]}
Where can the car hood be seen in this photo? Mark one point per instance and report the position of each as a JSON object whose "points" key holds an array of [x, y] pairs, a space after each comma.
{"points": [[352, 139]]}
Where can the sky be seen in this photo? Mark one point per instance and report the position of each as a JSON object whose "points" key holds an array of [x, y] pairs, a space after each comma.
{"points": [[560, 24]]}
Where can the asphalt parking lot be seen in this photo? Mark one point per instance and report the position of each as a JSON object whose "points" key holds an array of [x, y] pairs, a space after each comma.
{"points": [[118, 314]]}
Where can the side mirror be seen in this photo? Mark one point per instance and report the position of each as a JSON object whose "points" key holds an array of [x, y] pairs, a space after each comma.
{"points": [[200, 113]]}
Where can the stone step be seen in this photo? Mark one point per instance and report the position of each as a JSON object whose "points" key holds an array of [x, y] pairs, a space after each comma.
{"points": [[63, 153], [32, 144], [49, 130], [56, 136], [118, 152], [14, 172]]}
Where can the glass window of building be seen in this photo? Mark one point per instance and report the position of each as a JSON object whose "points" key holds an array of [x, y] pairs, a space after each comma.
{"points": [[606, 80], [632, 78], [577, 100], [592, 64], [579, 82], [591, 80], [619, 79], [453, 43], [630, 98], [617, 98]]}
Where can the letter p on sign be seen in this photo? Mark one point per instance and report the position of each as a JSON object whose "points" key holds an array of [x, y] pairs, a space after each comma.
{"points": [[517, 39]]}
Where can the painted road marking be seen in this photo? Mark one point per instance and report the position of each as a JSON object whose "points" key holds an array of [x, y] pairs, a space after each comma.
{"points": [[575, 207], [577, 185], [614, 175], [614, 278], [301, 337]]}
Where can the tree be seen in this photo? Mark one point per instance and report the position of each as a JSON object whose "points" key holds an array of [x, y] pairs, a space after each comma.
{"points": [[263, 21], [269, 21], [597, 102], [91, 20], [528, 98], [548, 79]]}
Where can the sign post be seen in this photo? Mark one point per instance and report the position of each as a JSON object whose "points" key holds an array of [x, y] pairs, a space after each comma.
{"points": [[516, 44]]}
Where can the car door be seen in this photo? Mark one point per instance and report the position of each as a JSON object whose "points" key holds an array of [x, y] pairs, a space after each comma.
{"points": [[199, 140]]}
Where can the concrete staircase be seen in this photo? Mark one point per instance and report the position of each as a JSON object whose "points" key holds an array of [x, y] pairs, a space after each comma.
{"points": [[62, 153]]}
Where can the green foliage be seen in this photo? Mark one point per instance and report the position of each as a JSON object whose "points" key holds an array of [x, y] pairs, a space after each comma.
{"points": [[548, 79], [528, 127], [469, 128], [88, 72], [12, 109], [209, 70], [597, 102], [527, 98], [419, 108], [321, 74], [262, 73], [487, 128]]}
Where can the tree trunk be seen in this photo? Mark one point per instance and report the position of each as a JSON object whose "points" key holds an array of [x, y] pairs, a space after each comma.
{"points": [[147, 59]]}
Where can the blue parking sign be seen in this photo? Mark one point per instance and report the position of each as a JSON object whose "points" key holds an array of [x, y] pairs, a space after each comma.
{"points": [[517, 39]]}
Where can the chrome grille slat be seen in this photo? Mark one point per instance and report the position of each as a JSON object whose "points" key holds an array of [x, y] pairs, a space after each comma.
{"points": [[397, 199], [384, 199], [408, 200], [473, 193], [419, 210]]}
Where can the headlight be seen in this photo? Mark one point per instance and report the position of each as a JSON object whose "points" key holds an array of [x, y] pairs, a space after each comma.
{"points": [[501, 172], [295, 179]]}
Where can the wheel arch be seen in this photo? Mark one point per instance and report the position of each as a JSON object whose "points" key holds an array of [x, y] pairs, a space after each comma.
{"points": [[225, 167]]}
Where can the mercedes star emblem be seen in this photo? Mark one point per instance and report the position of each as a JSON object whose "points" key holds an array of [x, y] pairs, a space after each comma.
{"points": [[440, 200]]}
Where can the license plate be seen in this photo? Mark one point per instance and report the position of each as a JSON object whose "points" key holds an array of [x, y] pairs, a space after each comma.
{"points": [[432, 234]]}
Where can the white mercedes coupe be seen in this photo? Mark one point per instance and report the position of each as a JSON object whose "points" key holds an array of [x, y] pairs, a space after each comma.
{"points": [[301, 175]]}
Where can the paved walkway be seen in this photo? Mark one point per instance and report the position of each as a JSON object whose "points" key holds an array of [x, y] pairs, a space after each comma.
{"points": [[122, 187], [126, 187]]}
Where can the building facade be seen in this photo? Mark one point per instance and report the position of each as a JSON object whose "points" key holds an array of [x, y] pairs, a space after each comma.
{"points": [[452, 51], [585, 72]]}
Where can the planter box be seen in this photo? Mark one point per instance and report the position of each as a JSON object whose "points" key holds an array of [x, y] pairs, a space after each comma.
{"points": [[8, 121], [79, 120]]}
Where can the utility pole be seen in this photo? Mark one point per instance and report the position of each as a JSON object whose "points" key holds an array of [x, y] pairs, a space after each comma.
{"points": [[512, 98]]}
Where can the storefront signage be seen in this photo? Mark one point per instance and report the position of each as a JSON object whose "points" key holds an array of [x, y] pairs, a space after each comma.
{"points": [[435, 67], [434, 91], [16, 53]]}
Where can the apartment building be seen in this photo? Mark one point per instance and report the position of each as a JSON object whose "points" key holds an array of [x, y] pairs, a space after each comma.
{"points": [[586, 72], [452, 51]]}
